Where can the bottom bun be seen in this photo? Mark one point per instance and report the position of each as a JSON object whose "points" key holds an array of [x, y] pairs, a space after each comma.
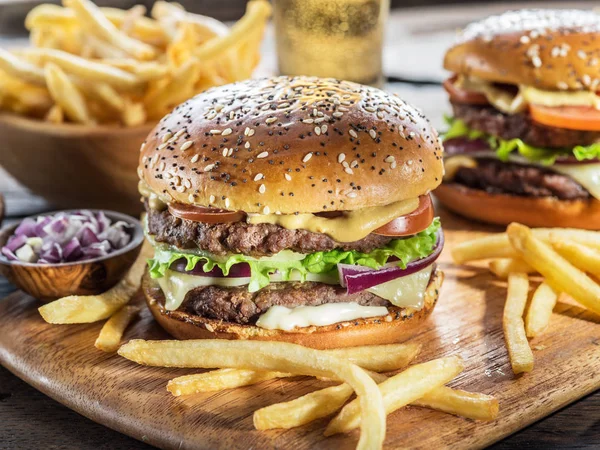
{"points": [[502, 209], [397, 326]]}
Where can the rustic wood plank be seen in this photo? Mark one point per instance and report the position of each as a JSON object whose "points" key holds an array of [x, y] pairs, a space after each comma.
{"points": [[133, 399]]}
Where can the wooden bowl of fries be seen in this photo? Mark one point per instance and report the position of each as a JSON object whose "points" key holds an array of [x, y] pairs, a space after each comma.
{"points": [[76, 105], [72, 165]]}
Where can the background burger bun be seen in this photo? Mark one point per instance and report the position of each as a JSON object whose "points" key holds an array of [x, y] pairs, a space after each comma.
{"points": [[503, 209], [370, 331], [547, 49], [292, 145]]}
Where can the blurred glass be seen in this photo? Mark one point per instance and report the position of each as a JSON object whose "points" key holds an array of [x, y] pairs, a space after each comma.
{"points": [[331, 38]]}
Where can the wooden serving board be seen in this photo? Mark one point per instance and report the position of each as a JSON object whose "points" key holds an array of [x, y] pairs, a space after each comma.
{"points": [[62, 362]]}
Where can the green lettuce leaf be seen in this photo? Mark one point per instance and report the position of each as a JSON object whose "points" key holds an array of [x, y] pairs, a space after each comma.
{"points": [[503, 148], [259, 270], [588, 152], [406, 250]]}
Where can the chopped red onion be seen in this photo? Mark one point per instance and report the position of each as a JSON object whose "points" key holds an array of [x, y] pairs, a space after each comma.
{"points": [[465, 146], [67, 237], [358, 278]]}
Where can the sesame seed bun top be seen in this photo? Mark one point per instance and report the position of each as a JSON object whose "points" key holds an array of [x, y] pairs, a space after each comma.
{"points": [[545, 48], [292, 145]]}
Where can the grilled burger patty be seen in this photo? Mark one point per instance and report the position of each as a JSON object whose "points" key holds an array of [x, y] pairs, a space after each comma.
{"points": [[236, 304], [521, 126], [252, 240], [499, 177]]}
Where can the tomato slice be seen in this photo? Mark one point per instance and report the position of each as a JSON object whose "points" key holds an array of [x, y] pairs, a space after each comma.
{"points": [[570, 117], [459, 95], [203, 214], [412, 223]]}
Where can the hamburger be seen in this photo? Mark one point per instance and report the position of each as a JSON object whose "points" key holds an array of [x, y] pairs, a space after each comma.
{"points": [[524, 139], [292, 209]]}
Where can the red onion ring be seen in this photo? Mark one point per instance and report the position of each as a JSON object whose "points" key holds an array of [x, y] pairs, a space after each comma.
{"points": [[358, 278]]}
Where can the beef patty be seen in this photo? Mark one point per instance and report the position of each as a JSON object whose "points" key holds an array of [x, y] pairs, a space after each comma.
{"points": [[252, 240], [499, 177], [521, 126], [236, 304]]}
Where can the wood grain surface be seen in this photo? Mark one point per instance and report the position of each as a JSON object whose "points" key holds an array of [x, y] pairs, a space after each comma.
{"points": [[62, 362], [74, 166]]}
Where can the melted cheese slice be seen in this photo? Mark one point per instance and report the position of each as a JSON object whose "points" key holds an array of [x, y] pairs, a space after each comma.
{"points": [[282, 318], [350, 227], [558, 98], [587, 175], [501, 99], [511, 104], [406, 292]]}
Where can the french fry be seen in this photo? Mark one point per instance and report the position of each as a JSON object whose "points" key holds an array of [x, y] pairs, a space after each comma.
{"points": [[92, 308], [271, 356], [221, 379], [173, 14], [144, 28], [24, 98], [55, 115], [143, 70], [132, 15], [379, 358], [110, 336], [178, 89], [540, 310], [560, 274], [21, 69], [256, 11], [400, 390], [580, 255], [302, 410], [502, 267], [183, 45], [101, 49], [85, 69], [521, 357], [498, 246], [133, 114], [97, 23], [494, 246], [65, 93], [471, 405], [106, 94]]}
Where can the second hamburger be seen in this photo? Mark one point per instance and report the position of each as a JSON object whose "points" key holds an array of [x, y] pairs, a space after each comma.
{"points": [[524, 140]]}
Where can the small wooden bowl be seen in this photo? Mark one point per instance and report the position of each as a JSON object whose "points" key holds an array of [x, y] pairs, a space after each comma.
{"points": [[74, 166], [48, 282]]}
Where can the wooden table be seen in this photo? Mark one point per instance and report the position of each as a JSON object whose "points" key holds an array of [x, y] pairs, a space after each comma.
{"points": [[29, 418]]}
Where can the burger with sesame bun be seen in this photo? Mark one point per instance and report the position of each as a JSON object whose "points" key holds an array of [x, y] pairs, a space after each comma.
{"points": [[524, 139], [292, 209]]}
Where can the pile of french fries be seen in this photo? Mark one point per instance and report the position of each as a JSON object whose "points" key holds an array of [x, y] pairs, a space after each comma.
{"points": [[93, 65], [359, 369], [567, 259]]}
